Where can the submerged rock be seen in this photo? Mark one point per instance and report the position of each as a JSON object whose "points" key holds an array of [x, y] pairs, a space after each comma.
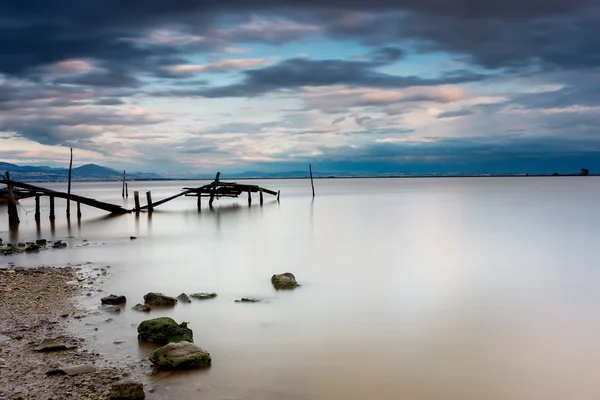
{"points": [[184, 298], [284, 281], [247, 300], [32, 248], [114, 300], [203, 296], [159, 299], [127, 391], [164, 330], [110, 308], [182, 355], [141, 307]]}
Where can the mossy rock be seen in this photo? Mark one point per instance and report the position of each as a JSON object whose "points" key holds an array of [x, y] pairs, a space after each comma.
{"points": [[182, 355], [159, 299], [164, 330], [284, 281]]}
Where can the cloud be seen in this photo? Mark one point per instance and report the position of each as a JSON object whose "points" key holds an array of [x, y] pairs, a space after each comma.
{"points": [[454, 114], [217, 66], [297, 73]]}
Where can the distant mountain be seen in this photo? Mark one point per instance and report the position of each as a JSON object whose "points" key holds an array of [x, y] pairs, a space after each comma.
{"points": [[88, 172]]}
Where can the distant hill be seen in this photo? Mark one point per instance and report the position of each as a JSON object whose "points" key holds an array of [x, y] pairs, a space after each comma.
{"points": [[88, 172]]}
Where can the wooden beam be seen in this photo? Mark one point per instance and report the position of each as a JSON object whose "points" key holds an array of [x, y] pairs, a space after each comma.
{"points": [[52, 215], [311, 179], [214, 189], [136, 198], [69, 185], [260, 191], [37, 207], [149, 200]]}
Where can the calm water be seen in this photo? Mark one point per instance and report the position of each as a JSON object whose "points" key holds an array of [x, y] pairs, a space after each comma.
{"points": [[412, 288]]}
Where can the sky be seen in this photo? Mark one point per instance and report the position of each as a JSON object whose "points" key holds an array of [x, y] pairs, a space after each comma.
{"points": [[353, 86]]}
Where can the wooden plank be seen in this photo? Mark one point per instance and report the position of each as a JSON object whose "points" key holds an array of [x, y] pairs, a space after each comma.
{"points": [[84, 200]]}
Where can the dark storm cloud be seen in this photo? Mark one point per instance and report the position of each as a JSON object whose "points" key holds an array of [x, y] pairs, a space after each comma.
{"points": [[555, 32], [298, 72]]}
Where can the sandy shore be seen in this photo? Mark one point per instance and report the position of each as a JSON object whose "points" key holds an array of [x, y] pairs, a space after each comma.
{"points": [[37, 304]]}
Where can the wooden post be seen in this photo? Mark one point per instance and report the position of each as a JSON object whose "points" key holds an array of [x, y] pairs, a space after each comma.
{"points": [[69, 185], [199, 201], [37, 207], [136, 198], [278, 195], [13, 213], [311, 179], [213, 192], [126, 190], [123, 190], [78, 210], [149, 200], [260, 193], [249, 198], [52, 216]]}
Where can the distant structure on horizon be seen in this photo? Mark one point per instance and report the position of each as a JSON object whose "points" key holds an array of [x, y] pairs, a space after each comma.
{"points": [[584, 172]]}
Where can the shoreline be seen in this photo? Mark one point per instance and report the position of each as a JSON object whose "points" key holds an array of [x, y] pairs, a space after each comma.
{"points": [[38, 303]]}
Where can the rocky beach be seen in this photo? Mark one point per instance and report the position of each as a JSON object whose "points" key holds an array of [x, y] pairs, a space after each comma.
{"points": [[40, 356]]}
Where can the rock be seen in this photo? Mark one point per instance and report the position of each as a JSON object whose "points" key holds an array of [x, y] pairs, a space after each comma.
{"points": [[73, 370], [110, 308], [142, 307], [115, 300], [41, 242], [59, 244], [132, 238], [182, 355], [21, 245], [284, 281], [127, 391], [50, 345], [159, 299], [164, 330], [203, 296], [118, 342], [184, 298], [247, 300], [32, 248]]}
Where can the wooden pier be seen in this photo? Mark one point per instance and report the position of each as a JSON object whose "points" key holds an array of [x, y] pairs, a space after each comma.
{"points": [[214, 190]]}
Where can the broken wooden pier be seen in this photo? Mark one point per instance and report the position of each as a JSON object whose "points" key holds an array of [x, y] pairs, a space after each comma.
{"points": [[214, 190]]}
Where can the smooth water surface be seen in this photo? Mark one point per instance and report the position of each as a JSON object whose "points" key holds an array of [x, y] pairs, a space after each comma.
{"points": [[466, 288]]}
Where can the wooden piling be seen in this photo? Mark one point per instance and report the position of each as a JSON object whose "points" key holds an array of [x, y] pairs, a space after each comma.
{"points": [[126, 190], [69, 185], [37, 208], [278, 192], [123, 190], [213, 191], [249, 197], [311, 179], [136, 198], [52, 216], [199, 201], [78, 210], [149, 200], [13, 213], [260, 193]]}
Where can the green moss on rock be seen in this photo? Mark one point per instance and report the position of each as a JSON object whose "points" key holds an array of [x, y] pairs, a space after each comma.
{"points": [[284, 281], [182, 355], [164, 330]]}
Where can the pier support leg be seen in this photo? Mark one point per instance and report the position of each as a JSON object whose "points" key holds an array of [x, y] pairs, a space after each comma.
{"points": [[260, 194], [149, 200], [278, 192], [199, 202], [311, 179], [37, 208], [126, 190], [249, 198], [52, 215], [69, 187], [78, 210], [13, 213], [136, 198]]}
